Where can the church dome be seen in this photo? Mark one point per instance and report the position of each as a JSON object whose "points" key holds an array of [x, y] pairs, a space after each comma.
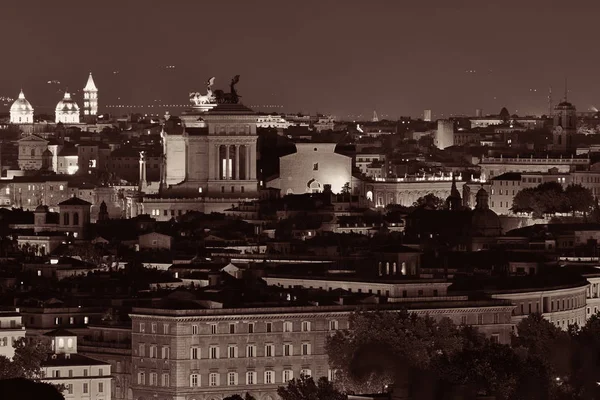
{"points": [[484, 222], [41, 208], [67, 104], [21, 105]]}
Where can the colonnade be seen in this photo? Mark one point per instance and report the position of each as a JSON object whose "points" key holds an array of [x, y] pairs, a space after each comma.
{"points": [[235, 162]]}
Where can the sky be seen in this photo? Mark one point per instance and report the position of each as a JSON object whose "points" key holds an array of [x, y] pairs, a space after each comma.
{"points": [[342, 57]]}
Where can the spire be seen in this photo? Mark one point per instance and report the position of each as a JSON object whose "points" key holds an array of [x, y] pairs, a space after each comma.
{"points": [[375, 117], [566, 89], [90, 85], [21, 95], [67, 95]]}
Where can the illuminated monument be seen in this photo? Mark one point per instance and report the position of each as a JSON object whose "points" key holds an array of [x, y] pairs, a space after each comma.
{"points": [[21, 111], [209, 156], [90, 98], [67, 110]]}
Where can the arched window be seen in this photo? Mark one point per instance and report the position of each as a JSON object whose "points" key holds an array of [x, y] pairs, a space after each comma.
{"points": [[403, 270], [66, 219], [370, 195], [75, 218], [380, 271], [387, 268], [61, 343], [394, 271], [70, 343]]}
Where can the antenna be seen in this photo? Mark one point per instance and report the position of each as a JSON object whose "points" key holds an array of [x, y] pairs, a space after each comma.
{"points": [[375, 118], [566, 89]]}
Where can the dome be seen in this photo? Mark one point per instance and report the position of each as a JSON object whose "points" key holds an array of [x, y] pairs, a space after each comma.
{"points": [[21, 105], [41, 208], [564, 105], [67, 104], [484, 222]]}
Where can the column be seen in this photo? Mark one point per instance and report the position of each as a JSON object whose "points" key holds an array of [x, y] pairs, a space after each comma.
{"points": [[217, 157], [227, 171], [253, 165], [247, 172], [237, 162]]}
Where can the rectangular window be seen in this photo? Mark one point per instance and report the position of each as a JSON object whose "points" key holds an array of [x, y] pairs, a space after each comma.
{"points": [[250, 378], [165, 329], [165, 380], [232, 351], [305, 326], [231, 328], [496, 318], [69, 388], [495, 338], [213, 329], [153, 351], [100, 387], [213, 352], [269, 377], [288, 349], [195, 353], [315, 166], [287, 375], [153, 379], [194, 380], [194, 329], [232, 378], [251, 327], [269, 327], [213, 379], [142, 327], [333, 325], [305, 349], [269, 350], [141, 350], [463, 319], [153, 327], [250, 351], [480, 319], [86, 388], [165, 353], [287, 326]]}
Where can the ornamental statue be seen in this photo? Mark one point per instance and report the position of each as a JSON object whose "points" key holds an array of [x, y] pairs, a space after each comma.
{"points": [[229, 98], [209, 98]]}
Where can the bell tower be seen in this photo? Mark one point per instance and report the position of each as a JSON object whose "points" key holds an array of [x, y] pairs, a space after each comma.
{"points": [[90, 99]]}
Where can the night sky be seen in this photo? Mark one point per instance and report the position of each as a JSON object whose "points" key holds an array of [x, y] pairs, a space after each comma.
{"points": [[345, 57]]}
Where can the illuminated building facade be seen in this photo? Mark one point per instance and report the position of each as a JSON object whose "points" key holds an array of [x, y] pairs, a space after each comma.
{"points": [[90, 98], [21, 111], [312, 166], [67, 110]]}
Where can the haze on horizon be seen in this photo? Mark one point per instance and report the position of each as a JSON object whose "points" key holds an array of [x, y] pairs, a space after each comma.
{"points": [[337, 57]]}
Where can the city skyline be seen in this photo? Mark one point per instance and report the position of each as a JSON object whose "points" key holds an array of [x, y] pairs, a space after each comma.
{"points": [[397, 59]]}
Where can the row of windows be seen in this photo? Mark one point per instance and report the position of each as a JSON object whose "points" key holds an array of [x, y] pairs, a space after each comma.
{"points": [[56, 373], [214, 352], [288, 326], [165, 351], [85, 388], [214, 378]]}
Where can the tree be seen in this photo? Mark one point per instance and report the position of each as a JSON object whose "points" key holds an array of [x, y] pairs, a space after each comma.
{"points": [[580, 199], [548, 197], [430, 201], [382, 348], [305, 388], [29, 390], [248, 396], [26, 362]]}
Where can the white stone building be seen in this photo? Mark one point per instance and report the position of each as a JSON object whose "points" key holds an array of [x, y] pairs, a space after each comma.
{"points": [[67, 110], [84, 378], [11, 330], [21, 111]]}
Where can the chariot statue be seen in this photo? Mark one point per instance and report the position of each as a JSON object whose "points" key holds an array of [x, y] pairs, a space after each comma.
{"points": [[229, 98], [209, 98]]}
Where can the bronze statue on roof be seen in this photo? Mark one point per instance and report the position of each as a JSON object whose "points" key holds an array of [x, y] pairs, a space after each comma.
{"points": [[229, 98]]}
